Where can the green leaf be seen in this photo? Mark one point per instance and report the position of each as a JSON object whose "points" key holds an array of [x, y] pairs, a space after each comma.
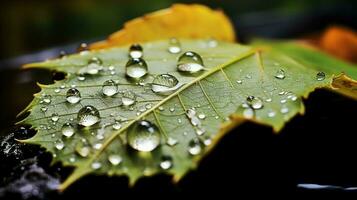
{"points": [[218, 95]]}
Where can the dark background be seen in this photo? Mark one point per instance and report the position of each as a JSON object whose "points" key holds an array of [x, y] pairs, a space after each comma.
{"points": [[319, 147]]}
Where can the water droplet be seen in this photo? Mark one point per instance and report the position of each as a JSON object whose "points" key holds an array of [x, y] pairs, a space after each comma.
{"points": [[320, 76], [174, 46], [43, 109], [201, 116], [83, 150], [248, 76], [268, 100], [194, 147], [97, 146], [190, 62], [93, 67], [171, 141], [172, 109], [200, 131], [207, 141], [59, 144], [54, 117], [88, 116], [82, 47], [239, 81], [143, 136], [67, 130], [161, 108], [255, 102], [283, 101], [165, 84], [109, 88], [57, 90], [128, 98], [166, 162], [72, 159], [280, 74], [136, 68], [212, 43], [271, 113], [284, 110], [81, 78], [136, 51], [115, 159], [96, 165], [116, 125], [179, 121], [45, 99], [73, 96], [248, 113]]}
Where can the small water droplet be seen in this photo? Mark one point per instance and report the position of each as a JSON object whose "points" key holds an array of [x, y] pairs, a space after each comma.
{"points": [[143, 136], [82, 47], [97, 146], [171, 141], [67, 130], [202, 116], [81, 78], [248, 76], [88, 116], [73, 96], [268, 100], [239, 81], [320, 76], [57, 90], [109, 88], [165, 84], [136, 68], [195, 147], [280, 74], [255, 102], [72, 159], [212, 43], [83, 150], [271, 113], [43, 109], [166, 162], [96, 165], [283, 101], [284, 110], [54, 117], [179, 121], [59, 144], [161, 108], [172, 109], [207, 141], [248, 113], [190, 62], [136, 51], [45, 99], [174, 46], [148, 106], [200, 131], [128, 98], [92, 68], [115, 159], [116, 125]]}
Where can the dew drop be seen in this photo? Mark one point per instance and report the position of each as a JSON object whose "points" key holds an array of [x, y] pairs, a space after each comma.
{"points": [[194, 147], [96, 165], [81, 78], [239, 81], [171, 141], [166, 162], [73, 96], [255, 102], [43, 109], [165, 84], [136, 68], [280, 74], [46, 99], [200, 131], [82, 47], [54, 117], [136, 51], [115, 159], [83, 150], [59, 144], [143, 136], [57, 90], [161, 108], [67, 130], [212, 43], [128, 98], [268, 100], [109, 88], [320, 76], [207, 141], [93, 67], [190, 62], [174, 46], [172, 109], [97, 146], [116, 125], [201, 116], [88, 116], [283, 101], [284, 110], [248, 113], [271, 114]]}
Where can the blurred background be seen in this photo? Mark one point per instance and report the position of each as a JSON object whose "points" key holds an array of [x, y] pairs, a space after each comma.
{"points": [[30, 25]]}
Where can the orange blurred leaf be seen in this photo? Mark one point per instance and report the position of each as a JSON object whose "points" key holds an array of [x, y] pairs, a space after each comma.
{"points": [[182, 21]]}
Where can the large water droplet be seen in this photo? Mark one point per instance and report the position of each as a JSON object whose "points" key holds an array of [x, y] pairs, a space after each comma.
{"points": [[190, 62], [59, 144], [165, 84], [114, 159], [67, 130], [195, 147], [136, 68], [143, 136], [280, 74], [320, 76], [166, 162], [174, 46], [88, 116], [136, 51], [128, 98], [109, 88], [73, 96]]}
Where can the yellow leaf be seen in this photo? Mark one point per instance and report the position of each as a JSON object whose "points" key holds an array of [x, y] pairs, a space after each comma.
{"points": [[183, 21]]}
